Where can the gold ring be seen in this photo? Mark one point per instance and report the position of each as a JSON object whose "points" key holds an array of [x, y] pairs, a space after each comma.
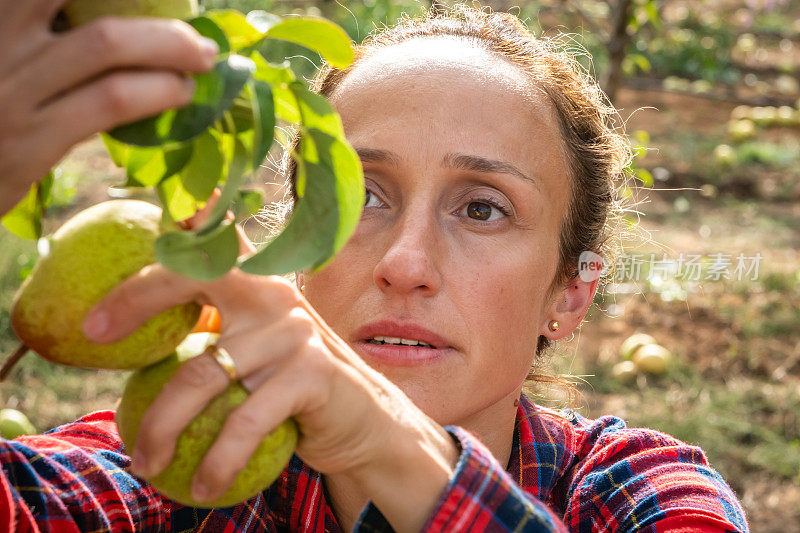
{"points": [[225, 361]]}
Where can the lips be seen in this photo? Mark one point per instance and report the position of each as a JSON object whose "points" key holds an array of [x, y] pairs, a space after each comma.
{"points": [[407, 330]]}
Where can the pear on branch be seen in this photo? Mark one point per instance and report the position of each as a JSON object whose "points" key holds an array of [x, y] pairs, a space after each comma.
{"points": [[87, 257]]}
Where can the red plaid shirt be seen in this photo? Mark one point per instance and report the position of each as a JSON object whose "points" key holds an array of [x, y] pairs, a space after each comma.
{"points": [[566, 473]]}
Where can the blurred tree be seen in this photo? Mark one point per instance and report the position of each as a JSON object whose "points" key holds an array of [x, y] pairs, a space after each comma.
{"points": [[624, 20]]}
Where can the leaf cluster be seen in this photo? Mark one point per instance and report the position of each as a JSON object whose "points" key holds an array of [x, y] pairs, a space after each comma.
{"points": [[222, 136]]}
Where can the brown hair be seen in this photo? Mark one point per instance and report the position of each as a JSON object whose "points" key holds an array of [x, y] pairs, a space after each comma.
{"points": [[598, 152]]}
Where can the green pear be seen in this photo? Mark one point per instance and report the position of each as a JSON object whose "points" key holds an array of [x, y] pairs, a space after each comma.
{"points": [[652, 358], [624, 371], [82, 11], [633, 343], [175, 481], [88, 256], [13, 424]]}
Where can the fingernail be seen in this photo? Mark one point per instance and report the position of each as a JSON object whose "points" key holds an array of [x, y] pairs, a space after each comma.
{"points": [[199, 492], [96, 324], [139, 465], [210, 50]]}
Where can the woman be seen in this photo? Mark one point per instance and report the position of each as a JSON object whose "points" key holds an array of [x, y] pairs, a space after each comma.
{"points": [[489, 167]]}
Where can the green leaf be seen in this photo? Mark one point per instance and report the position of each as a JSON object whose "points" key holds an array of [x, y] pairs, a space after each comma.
{"points": [[262, 21], [279, 77], [208, 28], [325, 216], [308, 239], [238, 166], [118, 151], [286, 106], [653, 15], [274, 74], [316, 112], [240, 33], [214, 94], [264, 112], [645, 177], [239, 117], [199, 257], [318, 34], [249, 202], [25, 219], [206, 167], [341, 160], [150, 166], [177, 202]]}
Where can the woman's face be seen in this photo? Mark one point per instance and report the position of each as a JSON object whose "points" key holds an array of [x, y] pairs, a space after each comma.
{"points": [[467, 185]]}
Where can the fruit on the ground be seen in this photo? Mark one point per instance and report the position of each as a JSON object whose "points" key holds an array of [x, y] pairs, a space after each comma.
{"points": [[632, 343], [88, 256], [741, 130], [764, 116], [264, 466], [14, 423], [746, 43], [82, 11], [624, 371], [741, 111], [652, 359], [787, 116], [787, 84], [725, 155]]}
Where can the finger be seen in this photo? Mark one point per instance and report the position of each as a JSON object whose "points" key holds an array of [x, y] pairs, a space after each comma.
{"points": [[117, 98], [201, 378], [188, 391], [243, 431], [117, 43], [123, 311], [246, 246], [241, 299], [199, 218]]}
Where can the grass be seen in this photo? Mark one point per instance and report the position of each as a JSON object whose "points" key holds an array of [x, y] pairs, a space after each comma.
{"points": [[744, 425]]}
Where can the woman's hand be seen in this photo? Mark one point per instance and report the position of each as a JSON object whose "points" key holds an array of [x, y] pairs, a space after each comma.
{"points": [[352, 421], [58, 89]]}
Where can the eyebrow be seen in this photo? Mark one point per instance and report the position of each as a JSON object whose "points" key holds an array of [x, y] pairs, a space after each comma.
{"points": [[459, 161]]}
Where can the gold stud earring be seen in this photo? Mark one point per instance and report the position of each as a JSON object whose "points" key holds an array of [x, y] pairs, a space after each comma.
{"points": [[553, 325]]}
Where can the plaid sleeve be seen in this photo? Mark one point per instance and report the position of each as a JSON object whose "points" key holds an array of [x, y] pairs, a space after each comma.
{"points": [[482, 496], [74, 478], [643, 480]]}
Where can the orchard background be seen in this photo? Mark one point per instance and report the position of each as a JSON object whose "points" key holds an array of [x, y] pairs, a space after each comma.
{"points": [[708, 91]]}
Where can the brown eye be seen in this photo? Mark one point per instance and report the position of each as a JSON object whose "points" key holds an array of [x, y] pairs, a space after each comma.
{"points": [[479, 211]]}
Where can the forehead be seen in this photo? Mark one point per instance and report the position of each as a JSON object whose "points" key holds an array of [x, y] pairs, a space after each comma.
{"points": [[456, 95], [443, 56]]}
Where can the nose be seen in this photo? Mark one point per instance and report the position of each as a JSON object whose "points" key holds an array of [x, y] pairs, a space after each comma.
{"points": [[408, 265]]}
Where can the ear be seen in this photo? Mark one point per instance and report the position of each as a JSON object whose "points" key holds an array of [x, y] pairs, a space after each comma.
{"points": [[571, 304]]}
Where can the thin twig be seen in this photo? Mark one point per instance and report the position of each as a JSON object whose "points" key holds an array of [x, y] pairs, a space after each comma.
{"points": [[12, 360]]}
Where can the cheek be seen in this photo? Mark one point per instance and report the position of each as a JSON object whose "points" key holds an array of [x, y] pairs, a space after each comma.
{"points": [[337, 291], [502, 301]]}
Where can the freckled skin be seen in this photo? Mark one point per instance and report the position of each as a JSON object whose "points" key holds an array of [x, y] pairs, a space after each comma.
{"points": [[418, 256]]}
